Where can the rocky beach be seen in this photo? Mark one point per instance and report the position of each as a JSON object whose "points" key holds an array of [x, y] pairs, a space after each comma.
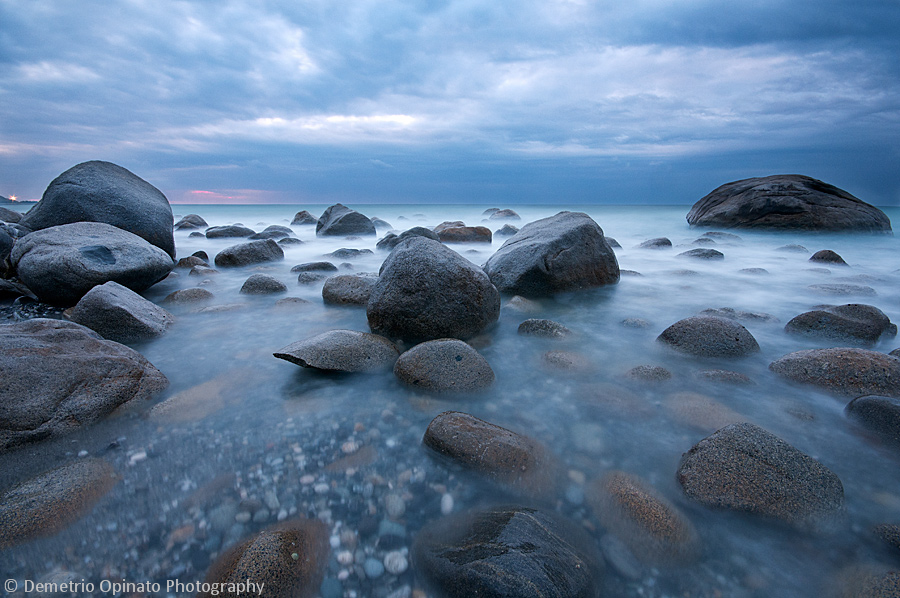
{"points": [[400, 401]]}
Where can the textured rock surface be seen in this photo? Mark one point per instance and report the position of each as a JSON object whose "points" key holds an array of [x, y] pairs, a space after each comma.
{"points": [[51, 501], [57, 376], [62, 263], [187, 296], [303, 217], [507, 551], [342, 351], [855, 321], [565, 252], [262, 284], [253, 252], [117, 313], [427, 291], [703, 254], [339, 220], [191, 221], [465, 234], [847, 372], [390, 240], [657, 243], [878, 414], [745, 468], [444, 365], [827, 256], [709, 336], [104, 192], [349, 289], [786, 202], [229, 231], [543, 328]]}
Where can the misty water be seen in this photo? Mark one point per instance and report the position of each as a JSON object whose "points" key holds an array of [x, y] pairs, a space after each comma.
{"points": [[253, 427]]}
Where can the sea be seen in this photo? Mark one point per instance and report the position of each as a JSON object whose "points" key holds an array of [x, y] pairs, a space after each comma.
{"points": [[241, 440]]}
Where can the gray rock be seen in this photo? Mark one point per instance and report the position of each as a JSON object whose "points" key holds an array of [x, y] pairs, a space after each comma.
{"points": [[723, 236], [390, 240], [339, 220], [57, 376], [565, 252], [62, 263], [191, 261], [745, 468], [613, 243], [117, 313], [788, 202], [507, 551], [709, 336], [543, 328], [507, 230], [342, 351], [793, 248], [827, 256], [190, 221], [444, 365], [227, 232], [349, 289], [723, 376], [253, 252], [842, 289], [7, 215], [854, 321], [506, 214], [463, 234], [657, 243], [202, 271], [703, 254], [104, 192], [345, 253], [737, 314], [6, 245], [878, 414], [315, 267], [844, 371], [649, 373], [311, 277], [262, 284], [288, 241], [187, 296], [381, 224], [490, 211], [427, 291], [303, 217]]}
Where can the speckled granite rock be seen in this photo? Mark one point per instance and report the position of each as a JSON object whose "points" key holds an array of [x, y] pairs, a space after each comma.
{"points": [[847, 372], [709, 336], [444, 365], [342, 351]]}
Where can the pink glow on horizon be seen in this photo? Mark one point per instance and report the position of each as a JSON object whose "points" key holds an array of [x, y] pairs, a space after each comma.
{"points": [[226, 196]]}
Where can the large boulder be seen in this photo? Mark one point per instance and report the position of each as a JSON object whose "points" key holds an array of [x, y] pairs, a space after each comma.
{"points": [[565, 252], [746, 468], [229, 231], [787, 202], [104, 192], [507, 551], [879, 414], [709, 336], [464, 234], [339, 220], [427, 291], [444, 365], [57, 376], [252, 252], [62, 263], [843, 371], [855, 321], [119, 314], [191, 221], [390, 240], [342, 351]]}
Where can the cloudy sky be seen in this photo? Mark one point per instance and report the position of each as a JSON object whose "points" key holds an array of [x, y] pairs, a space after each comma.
{"points": [[546, 101]]}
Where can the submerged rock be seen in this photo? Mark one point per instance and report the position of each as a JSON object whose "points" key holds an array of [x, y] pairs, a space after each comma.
{"points": [[703, 254], [508, 230], [254, 252], [444, 365], [303, 217], [191, 261], [315, 267], [506, 214], [855, 321], [657, 243], [339, 220], [349, 289], [185, 296], [117, 313], [709, 336], [543, 328], [262, 284], [190, 221], [847, 372], [827, 256], [842, 289], [745, 468], [342, 351], [232, 230], [390, 240], [878, 414], [464, 234]]}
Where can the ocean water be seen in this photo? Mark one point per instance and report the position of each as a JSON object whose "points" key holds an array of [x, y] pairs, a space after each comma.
{"points": [[252, 430]]}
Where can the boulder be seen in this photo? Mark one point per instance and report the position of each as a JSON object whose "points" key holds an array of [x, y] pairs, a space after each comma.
{"points": [[444, 365], [854, 321], [827, 256], [507, 551], [349, 289], [190, 221], [57, 376], [390, 240], [846, 372], [878, 414], [786, 202], [119, 314], [262, 284], [6, 245], [565, 252], [303, 217], [202, 271], [339, 220], [342, 351], [465, 234], [709, 336], [191, 261], [506, 214], [48, 503], [649, 373], [654, 529], [287, 560], [252, 252], [508, 230], [702, 253], [230, 231], [381, 224], [745, 468], [543, 328], [314, 267], [427, 291], [658, 243], [62, 263], [7, 215], [188, 296], [345, 253], [104, 192], [842, 289]]}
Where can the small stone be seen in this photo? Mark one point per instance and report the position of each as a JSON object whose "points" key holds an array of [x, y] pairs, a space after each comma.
{"points": [[394, 505], [446, 504], [373, 568], [243, 517], [395, 562], [345, 557]]}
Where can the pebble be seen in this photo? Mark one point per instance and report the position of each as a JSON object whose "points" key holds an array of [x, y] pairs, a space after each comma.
{"points": [[243, 517], [395, 562], [373, 568], [345, 557], [350, 447], [575, 494], [394, 505], [307, 479], [261, 516], [446, 503], [321, 488]]}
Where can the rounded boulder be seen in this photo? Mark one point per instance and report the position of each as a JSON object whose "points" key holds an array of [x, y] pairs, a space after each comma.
{"points": [[709, 336], [444, 365]]}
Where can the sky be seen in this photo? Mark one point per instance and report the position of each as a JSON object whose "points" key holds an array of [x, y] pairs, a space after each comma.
{"points": [[456, 101]]}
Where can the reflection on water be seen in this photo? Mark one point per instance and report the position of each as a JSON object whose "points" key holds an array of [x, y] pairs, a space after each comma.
{"points": [[238, 426]]}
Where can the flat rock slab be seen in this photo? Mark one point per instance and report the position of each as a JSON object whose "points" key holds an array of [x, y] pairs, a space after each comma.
{"points": [[709, 336], [342, 351], [57, 376], [117, 313], [746, 468], [444, 365], [854, 321], [507, 551], [48, 503], [848, 372]]}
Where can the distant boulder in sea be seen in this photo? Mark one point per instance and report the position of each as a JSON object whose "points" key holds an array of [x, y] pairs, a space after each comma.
{"points": [[339, 220], [787, 202]]}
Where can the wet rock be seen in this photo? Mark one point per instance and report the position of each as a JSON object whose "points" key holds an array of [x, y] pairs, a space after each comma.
{"points": [[391, 240], [348, 254], [709, 336], [315, 267], [703, 254], [723, 236], [311, 277], [699, 411], [506, 214], [745, 468], [428, 291], [793, 248], [230, 231], [6, 246], [523, 305], [105, 193], [827, 256], [507, 230], [723, 376], [657, 243], [117, 313], [847, 372], [289, 558], [653, 528], [57, 376], [865, 581], [48, 503], [879, 414], [463, 234], [288, 241], [62, 263], [190, 221], [613, 243], [254, 252], [191, 261], [888, 533], [196, 235], [187, 296], [381, 224], [444, 365], [737, 314], [565, 252], [787, 202], [638, 323], [202, 271], [842, 289], [349, 289], [202, 400], [490, 211], [620, 557], [649, 373], [303, 217], [274, 231], [754, 271], [342, 351], [7, 215], [854, 321], [339, 220], [566, 361], [543, 328], [507, 551], [262, 284]]}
